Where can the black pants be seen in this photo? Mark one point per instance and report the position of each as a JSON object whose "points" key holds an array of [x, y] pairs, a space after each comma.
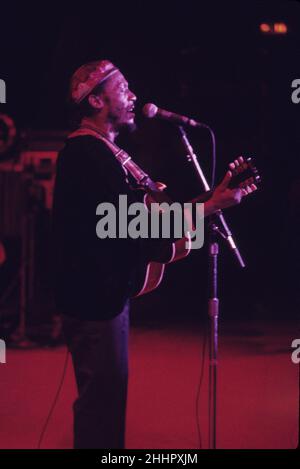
{"points": [[99, 352]]}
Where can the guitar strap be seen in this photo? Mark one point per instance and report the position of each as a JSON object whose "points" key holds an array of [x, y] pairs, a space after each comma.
{"points": [[141, 178]]}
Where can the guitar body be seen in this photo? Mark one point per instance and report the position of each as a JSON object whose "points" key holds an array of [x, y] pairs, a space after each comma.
{"points": [[151, 274]]}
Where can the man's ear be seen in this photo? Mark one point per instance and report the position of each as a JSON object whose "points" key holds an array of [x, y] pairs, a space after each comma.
{"points": [[96, 101]]}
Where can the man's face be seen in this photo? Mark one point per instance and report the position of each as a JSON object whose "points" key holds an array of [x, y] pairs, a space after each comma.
{"points": [[118, 101]]}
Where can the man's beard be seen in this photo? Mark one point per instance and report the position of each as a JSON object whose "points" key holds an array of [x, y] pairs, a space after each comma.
{"points": [[131, 128], [124, 127], [127, 128]]}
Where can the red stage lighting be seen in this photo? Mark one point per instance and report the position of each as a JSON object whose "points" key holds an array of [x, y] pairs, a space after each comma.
{"points": [[280, 28], [273, 28], [265, 28]]}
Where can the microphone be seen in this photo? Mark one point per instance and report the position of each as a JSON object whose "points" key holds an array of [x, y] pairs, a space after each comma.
{"points": [[150, 110]]}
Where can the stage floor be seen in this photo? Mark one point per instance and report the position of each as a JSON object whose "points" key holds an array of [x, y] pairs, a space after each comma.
{"points": [[258, 389]]}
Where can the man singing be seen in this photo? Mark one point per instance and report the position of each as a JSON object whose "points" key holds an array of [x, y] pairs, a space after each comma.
{"points": [[94, 277]]}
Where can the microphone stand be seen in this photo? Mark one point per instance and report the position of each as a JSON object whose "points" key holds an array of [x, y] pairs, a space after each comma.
{"points": [[217, 226]]}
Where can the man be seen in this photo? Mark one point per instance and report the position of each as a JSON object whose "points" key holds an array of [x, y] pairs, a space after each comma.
{"points": [[94, 277]]}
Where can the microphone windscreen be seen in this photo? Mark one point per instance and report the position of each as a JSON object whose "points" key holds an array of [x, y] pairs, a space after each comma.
{"points": [[150, 110]]}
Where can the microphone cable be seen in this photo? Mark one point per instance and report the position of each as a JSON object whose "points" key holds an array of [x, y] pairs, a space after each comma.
{"points": [[214, 157], [54, 400]]}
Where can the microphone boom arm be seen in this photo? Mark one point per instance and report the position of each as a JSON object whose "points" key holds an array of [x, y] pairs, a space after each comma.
{"points": [[223, 228]]}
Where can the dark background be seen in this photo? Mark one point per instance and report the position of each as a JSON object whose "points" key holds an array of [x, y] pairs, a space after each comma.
{"points": [[206, 60]]}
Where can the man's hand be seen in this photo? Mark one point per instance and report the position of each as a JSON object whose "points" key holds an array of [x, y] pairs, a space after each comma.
{"points": [[223, 196]]}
